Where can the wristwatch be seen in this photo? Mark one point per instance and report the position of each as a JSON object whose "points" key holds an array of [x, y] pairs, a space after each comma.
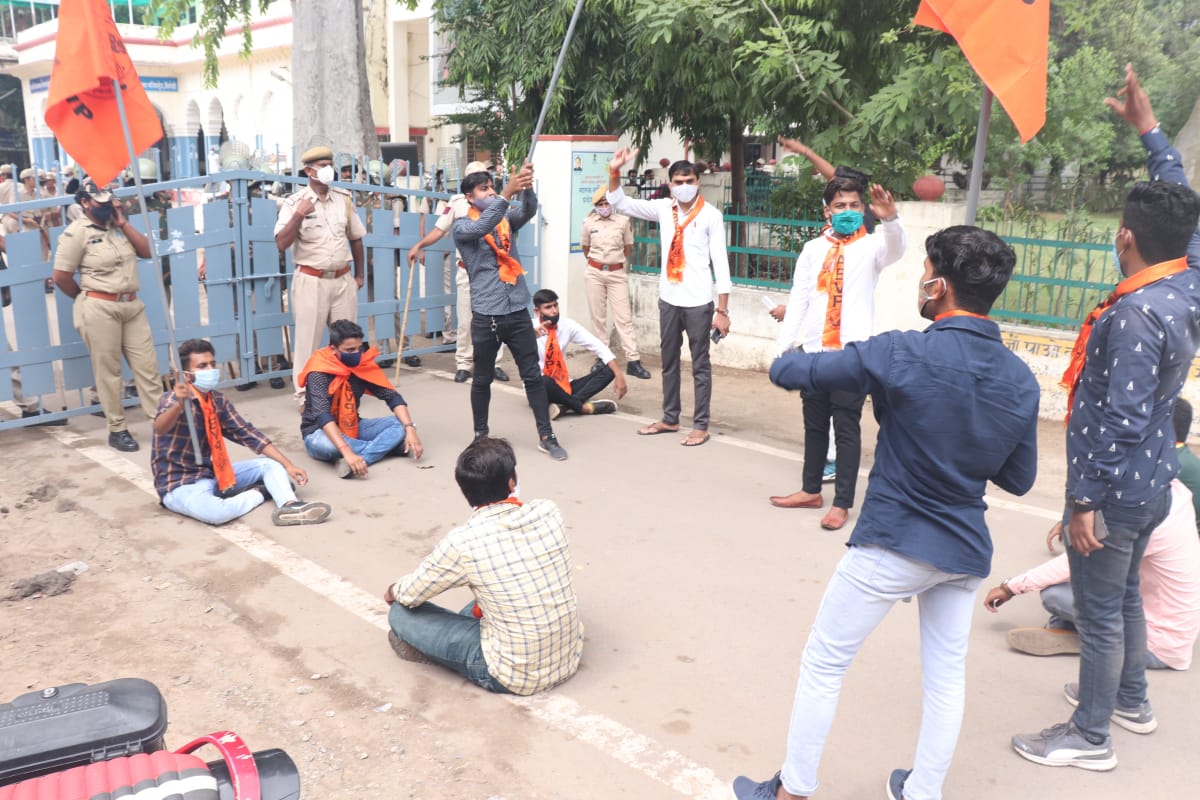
{"points": [[1078, 507]]}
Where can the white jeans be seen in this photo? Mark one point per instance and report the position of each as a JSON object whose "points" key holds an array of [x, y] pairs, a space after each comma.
{"points": [[868, 580]]}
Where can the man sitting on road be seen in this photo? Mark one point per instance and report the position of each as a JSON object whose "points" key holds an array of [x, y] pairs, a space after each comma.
{"points": [[219, 490], [334, 380], [522, 633], [555, 333], [1170, 581]]}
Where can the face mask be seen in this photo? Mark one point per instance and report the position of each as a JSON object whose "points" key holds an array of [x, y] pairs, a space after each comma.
{"points": [[684, 192], [481, 204], [551, 320], [103, 212], [846, 222], [206, 379], [604, 211], [924, 298], [1116, 254], [350, 359], [325, 175]]}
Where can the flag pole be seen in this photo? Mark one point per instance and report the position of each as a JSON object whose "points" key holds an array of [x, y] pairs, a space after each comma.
{"points": [[562, 54], [152, 238], [985, 121]]}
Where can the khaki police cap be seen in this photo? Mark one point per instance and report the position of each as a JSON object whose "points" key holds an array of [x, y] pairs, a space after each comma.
{"points": [[319, 153], [89, 188], [475, 166], [601, 194], [28, 173], [6, 169]]}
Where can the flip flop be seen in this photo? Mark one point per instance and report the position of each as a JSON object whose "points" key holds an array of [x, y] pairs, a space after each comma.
{"points": [[655, 428], [691, 439]]}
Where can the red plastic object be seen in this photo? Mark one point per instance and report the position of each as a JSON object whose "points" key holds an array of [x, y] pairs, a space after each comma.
{"points": [[152, 776], [929, 187], [243, 772]]}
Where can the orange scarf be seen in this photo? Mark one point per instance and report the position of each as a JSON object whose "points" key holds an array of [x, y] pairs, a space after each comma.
{"points": [[675, 259], [556, 365], [510, 268], [1070, 378], [217, 454], [830, 281], [958, 312], [344, 407]]}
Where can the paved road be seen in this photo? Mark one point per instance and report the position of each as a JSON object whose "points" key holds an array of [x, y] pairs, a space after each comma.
{"points": [[697, 597]]}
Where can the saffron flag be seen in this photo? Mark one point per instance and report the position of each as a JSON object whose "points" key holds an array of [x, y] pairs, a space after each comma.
{"points": [[81, 107], [1007, 43]]}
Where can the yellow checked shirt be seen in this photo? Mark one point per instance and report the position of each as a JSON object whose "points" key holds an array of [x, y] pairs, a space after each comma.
{"points": [[515, 561]]}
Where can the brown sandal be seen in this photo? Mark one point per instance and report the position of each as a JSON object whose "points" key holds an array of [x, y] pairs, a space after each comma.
{"points": [[655, 428], [694, 440]]}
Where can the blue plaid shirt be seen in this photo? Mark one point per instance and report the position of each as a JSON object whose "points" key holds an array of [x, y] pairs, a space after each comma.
{"points": [[171, 456]]}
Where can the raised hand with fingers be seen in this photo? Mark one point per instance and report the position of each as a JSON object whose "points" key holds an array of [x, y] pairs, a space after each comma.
{"points": [[883, 205], [1132, 103]]}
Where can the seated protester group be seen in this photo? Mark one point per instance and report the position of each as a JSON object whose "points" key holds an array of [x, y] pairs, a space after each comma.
{"points": [[522, 632], [334, 380], [555, 334], [218, 490]]}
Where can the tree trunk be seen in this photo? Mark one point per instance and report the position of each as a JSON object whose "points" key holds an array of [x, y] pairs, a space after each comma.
{"points": [[331, 98], [737, 178], [1188, 145]]}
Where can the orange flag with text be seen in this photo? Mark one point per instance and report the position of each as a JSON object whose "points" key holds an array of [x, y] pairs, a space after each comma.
{"points": [[1007, 43], [81, 107]]}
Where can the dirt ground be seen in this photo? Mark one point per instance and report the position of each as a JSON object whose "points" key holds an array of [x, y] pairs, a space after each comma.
{"points": [[679, 560]]}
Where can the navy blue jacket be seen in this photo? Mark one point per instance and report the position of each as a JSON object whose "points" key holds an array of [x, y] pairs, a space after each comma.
{"points": [[955, 409]]}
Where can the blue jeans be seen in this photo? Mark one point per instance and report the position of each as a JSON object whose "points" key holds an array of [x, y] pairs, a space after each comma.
{"points": [[867, 583], [1060, 602], [200, 500], [449, 639], [376, 438], [1109, 616]]}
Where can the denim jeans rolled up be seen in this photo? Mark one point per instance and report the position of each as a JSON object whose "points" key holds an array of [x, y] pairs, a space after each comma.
{"points": [[376, 438], [1109, 616], [200, 500], [449, 639]]}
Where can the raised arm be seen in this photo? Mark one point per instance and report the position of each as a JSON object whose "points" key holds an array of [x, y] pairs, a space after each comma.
{"points": [[621, 202]]}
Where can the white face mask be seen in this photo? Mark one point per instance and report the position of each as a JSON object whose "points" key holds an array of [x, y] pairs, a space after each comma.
{"points": [[684, 192], [325, 175]]}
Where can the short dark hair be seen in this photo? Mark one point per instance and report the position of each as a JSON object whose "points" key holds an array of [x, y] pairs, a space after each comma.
{"points": [[543, 296], [484, 470], [1181, 418], [850, 172], [474, 180], [1162, 216], [842, 183], [977, 263], [342, 329], [190, 346], [682, 168]]}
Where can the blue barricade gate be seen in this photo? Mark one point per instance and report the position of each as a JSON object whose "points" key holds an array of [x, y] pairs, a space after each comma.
{"points": [[239, 303]]}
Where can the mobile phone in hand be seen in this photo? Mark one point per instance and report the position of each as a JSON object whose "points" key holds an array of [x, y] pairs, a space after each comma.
{"points": [[716, 336]]}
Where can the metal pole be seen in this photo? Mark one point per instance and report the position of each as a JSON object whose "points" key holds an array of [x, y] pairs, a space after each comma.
{"points": [[152, 238], [985, 120], [562, 54]]}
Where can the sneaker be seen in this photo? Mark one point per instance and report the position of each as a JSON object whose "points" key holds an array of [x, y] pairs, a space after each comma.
{"points": [[299, 513], [552, 448], [556, 411], [1063, 745], [405, 650], [636, 369], [895, 784], [501, 375], [1138, 720], [1044, 641], [746, 789], [830, 473], [603, 406], [342, 468]]}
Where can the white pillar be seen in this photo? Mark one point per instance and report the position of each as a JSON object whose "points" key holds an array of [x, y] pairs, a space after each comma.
{"points": [[565, 191]]}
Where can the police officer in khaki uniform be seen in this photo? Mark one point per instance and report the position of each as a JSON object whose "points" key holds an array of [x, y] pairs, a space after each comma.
{"points": [[320, 225], [103, 248], [23, 193], [607, 242]]}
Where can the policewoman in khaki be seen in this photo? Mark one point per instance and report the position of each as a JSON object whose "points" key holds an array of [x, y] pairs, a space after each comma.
{"points": [[607, 241], [324, 232], [103, 249]]}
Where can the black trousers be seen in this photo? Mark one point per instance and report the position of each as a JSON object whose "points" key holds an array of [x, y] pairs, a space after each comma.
{"points": [[516, 331], [582, 389], [845, 409]]}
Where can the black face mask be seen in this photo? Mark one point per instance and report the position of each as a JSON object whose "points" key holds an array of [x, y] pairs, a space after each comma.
{"points": [[551, 320], [103, 212]]}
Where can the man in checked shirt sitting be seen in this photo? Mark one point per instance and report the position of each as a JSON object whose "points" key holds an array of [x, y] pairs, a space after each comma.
{"points": [[522, 633]]}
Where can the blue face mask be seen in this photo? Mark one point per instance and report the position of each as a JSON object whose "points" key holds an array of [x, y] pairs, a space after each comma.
{"points": [[482, 204], [206, 379], [350, 359], [846, 222]]}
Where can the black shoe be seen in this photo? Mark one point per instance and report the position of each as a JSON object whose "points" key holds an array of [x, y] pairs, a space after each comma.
{"points": [[277, 383], [130, 392], [462, 376], [386, 361], [412, 361], [501, 375], [598, 365], [636, 369], [56, 423], [552, 448], [245, 387], [121, 440]]}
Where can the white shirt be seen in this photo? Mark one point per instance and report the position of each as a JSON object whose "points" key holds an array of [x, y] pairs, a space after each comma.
{"points": [[703, 243], [571, 332], [864, 260]]}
